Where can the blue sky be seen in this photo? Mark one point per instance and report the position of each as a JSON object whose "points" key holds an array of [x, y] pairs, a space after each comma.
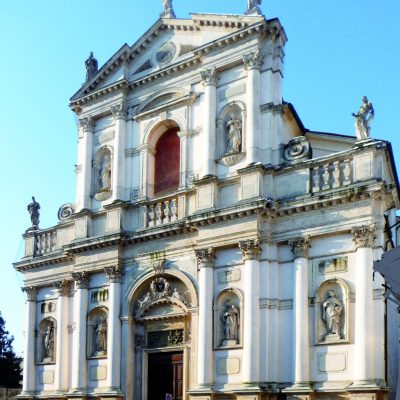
{"points": [[338, 51]]}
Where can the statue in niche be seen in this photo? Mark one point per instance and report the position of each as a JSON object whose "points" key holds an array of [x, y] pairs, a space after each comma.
{"points": [[253, 4], [48, 343], [105, 173], [234, 127], [230, 319], [101, 336], [33, 209], [332, 309], [91, 66], [363, 118]]}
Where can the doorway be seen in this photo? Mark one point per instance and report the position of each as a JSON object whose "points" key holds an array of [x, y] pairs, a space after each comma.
{"points": [[165, 376]]}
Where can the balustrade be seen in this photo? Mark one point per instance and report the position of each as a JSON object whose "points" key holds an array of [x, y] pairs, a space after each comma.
{"points": [[330, 175], [45, 242], [162, 212]]}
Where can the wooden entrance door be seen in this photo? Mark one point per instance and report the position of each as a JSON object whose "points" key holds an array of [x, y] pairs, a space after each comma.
{"points": [[165, 376]]}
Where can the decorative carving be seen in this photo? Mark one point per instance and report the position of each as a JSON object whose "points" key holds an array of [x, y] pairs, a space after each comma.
{"points": [[364, 118], [33, 209], [252, 59], [159, 288], [87, 124], [99, 296], [297, 149], [164, 54], [66, 211], [332, 309], [119, 111], [175, 337], [232, 159], [300, 246], [101, 336], [332, 265], [169, 338], [364, 235], [31, 292], [168, 11], [231, 322], [114, 274], [81, 279], [179, 296], [46, 308], [91, 66], [63, 287], [205, 257], [209, 76], [234, 127], [250, 249], [158, 266]]}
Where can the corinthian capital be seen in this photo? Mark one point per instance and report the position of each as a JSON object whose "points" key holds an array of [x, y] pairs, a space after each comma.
{"points": [[300, 246], [251, 249], [31, 292], [205, 257], [87, 124], [114, 274], [252, 59], [63, 287], [81, 279], [209, 76], [119, 111], [364, 235]]}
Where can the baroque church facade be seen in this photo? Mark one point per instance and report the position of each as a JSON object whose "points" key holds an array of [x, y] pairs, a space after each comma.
{"points": [[217, 248]]}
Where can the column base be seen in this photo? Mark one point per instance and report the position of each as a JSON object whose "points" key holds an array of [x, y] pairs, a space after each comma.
{"points": [[26, 395], [364, 385], [299, 388]]}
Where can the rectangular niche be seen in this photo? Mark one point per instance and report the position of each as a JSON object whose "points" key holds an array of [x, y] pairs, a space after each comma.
{"points": [[332, 265]]}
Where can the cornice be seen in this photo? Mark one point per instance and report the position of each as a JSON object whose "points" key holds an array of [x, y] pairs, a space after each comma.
{"points": [[42, 261]]}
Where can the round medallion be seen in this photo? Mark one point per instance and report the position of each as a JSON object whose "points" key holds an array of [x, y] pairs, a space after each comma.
{"points": [[165, 53]]}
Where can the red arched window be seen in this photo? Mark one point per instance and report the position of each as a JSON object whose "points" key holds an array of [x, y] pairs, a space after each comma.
{"points": [[167, 162]]}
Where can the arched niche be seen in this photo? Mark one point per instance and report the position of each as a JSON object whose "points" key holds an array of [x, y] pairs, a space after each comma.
{"points": [[231, 133], [97, 332], [332, 312], [228, 319], [46, 341], [102, 173]]}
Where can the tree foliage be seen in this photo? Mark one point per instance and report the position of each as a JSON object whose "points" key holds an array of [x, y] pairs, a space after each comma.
{"points": [[10, 364]]}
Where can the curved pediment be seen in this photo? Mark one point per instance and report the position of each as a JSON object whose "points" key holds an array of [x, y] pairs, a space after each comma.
{"points": [[163, 308]]}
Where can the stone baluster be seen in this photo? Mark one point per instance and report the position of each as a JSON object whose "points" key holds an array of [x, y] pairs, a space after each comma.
{"points": [[325, 177], [364, 237], [253, 62], [167, 212], [209, 79], [79, 360], [118, 165], [205, 364], [301, 348], [29, 382], [85, 156], [174, 210], [346, 172], [159, 214], [61, 373], [114, 332], [251, 327], [152, 215], [336, 174], [315, 179]]}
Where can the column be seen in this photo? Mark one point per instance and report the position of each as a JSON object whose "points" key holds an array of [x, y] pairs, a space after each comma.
{"points": [[209, 78], [114, 333], [118, 164], [253, 62], [301, 347], [364, 237], [28, 383], [79, 363], [84, 168], [183, 136], [61, 373], [251, 326], [128, 356], [205, 368]]}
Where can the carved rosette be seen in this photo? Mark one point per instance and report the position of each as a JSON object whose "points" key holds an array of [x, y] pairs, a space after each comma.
{"points": [[300, 246], [81, 279], [364, 235], [119, 111], [63, 287], [250, 249], [87, 124], [209, 76], [253, 59], [205, 257], [31, 292], [114, 274]]}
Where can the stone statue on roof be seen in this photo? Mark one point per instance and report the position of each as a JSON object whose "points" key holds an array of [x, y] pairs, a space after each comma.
{"points": [[168, 11], [253, 4], [363, 118], [33, 209], [91, 66]]}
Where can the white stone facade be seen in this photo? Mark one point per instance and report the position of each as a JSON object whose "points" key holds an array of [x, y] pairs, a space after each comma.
{"points": [[233, 272]]}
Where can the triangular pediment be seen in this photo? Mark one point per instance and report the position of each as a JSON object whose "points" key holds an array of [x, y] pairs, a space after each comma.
{"points": [[167, 42]]}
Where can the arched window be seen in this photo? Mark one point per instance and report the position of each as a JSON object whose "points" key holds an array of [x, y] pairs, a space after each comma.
{"points": [[167, 162]]}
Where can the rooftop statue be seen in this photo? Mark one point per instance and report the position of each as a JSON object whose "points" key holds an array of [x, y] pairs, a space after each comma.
{"points": [[363, 118], [253, 5], [168, 11], [33, 209], [91, 66]]}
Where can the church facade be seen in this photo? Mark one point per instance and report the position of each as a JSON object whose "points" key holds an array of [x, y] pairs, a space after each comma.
{"points": [[217, 248]]}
